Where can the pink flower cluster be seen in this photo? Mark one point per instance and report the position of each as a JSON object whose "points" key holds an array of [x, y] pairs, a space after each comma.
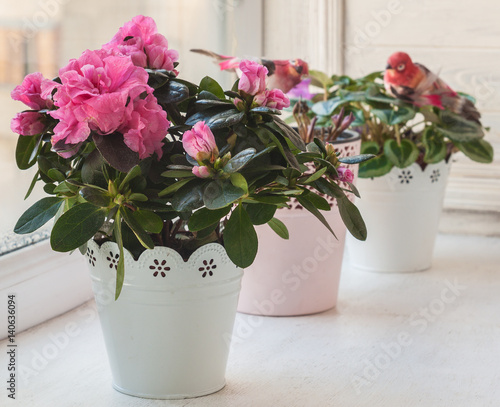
{"points": [[140, 39], [199, 143], [253, 82], [103, 91]]}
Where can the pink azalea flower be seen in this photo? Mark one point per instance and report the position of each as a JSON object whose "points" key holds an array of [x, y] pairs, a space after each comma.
{"points": [[140, 40], [199, 143], [253, 77], [201, 171], [345, 174], [29, 92], [28, 123], [276, 99], [147, 127], [96, 94]]}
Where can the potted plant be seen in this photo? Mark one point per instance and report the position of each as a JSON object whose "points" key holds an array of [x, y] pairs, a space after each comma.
{"points": [[403, 187], [159, 182], [306, 280]]}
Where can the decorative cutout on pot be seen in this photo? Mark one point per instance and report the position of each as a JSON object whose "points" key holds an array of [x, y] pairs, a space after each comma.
{"points": [[207, 268], [91, 257], [159, 268], [435, 176], [405, 176], [113, 260]]}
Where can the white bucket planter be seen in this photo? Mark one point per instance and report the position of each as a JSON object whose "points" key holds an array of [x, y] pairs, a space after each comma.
{"points": [[168, 334], [301, 275], [401, 211]]}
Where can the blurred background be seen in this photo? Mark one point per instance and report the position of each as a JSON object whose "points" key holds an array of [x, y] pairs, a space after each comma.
{"points": [[459, 39]]}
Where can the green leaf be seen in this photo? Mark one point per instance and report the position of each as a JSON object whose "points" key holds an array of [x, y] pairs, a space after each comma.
{"points": [[240, 238], [392, 116], [315, 176], [435, 147], [356, 159], [279, 227], [477, 150], [133, 173], [401, 155], [76, 226], [219, 194], [150, 221], [96, 196], [320, 79], [352, 218], [328, 107], [227, 118], [457, 128], [318, 201], [32, 185], [239, 181], [376, 167], [286, 131], [309, 205], [188, 198], [172, 92], [205, 217], [212, 86], [56, 175], [137, 228], [264, 109], [239, 160], [26, 146], [174, 187], [260, 213], [37, 215], [177, 174]]}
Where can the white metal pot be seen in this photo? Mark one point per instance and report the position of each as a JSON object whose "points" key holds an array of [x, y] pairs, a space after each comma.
{"points": [[168, 334], [301, 275], [401, 210]]}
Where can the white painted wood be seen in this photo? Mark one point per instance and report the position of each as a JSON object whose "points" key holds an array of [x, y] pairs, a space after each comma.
{"points": [[46, 284], [419, 339]]}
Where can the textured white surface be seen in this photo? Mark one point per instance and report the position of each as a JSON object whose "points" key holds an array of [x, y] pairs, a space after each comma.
{"points": [[449, 355]]}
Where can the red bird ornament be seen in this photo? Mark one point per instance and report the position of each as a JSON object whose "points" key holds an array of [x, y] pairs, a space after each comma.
{"points": [[282, 74], [414, 83]]}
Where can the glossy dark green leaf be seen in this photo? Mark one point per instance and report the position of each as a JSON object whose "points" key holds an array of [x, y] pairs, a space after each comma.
{"points": [[279, 227], [32, 184], [376, 167], [286, 131], [92, 169], [239, 181], [56, 175], [329, 107], [133, 173], [172, 92], [225, 119], [264, 109], [402, 155], [150, 221], [219, 194], [318, 201], [260, 213], [240, 238], [76, 226], [352, 218], [477, 150], [205, 217], [37, 215], [174, 187], [188, 198], [212, 86], [239, 160], [26, 145], [96, 196]]}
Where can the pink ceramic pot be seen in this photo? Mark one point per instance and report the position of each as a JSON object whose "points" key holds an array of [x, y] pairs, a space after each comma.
{"points": [[301, 275]]}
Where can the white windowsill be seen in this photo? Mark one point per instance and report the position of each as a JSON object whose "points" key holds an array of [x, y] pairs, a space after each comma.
{"points": [[451, 357]]}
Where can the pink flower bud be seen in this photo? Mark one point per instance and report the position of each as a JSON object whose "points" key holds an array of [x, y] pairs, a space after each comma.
{"points": [[345, 174], [29, 92], [202, 171], [276, 99], [199, 143], [253, 77], [28, 123]]}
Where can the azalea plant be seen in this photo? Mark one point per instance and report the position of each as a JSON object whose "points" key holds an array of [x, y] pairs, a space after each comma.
{"points": [[129, 152], [398, 133]]}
